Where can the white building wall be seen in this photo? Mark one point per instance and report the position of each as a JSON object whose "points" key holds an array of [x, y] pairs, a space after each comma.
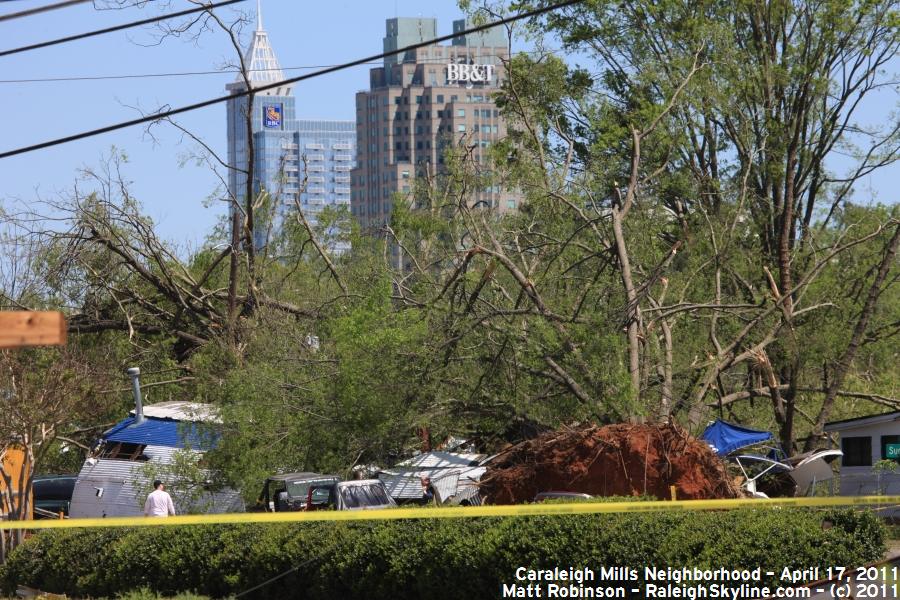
{"points": [[863, 481]]}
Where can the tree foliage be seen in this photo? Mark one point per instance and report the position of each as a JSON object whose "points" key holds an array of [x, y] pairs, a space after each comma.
{"points": [[692, 240]]}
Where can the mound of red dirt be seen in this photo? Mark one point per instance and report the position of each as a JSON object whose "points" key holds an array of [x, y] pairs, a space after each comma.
{"points": [[614, 460]]}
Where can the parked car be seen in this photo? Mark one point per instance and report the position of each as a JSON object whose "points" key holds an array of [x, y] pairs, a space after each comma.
{"points": [[290, 491], [53, 493], [362, 494]]}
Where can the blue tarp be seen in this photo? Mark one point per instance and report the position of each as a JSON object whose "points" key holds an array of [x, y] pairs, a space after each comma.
{"points": [[162, 432], [725, 438]]}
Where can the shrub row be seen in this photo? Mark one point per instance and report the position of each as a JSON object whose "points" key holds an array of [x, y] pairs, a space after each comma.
{"points": [[440, 558]]}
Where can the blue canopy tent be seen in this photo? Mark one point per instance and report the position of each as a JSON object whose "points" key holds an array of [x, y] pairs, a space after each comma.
{"points": [[725, 438]]}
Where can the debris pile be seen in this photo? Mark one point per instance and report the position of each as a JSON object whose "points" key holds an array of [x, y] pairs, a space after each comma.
{"points": [[613, 460]]}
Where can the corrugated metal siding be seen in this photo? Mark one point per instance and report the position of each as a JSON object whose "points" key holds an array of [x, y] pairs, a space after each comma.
{"points": [[121, 480], [407, 485], [160, 432], [441, 460]]}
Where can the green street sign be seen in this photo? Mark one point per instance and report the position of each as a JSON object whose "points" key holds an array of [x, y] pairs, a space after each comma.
{"points": [[892, 451]]}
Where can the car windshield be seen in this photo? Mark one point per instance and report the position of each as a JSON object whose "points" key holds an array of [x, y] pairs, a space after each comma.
{"points": [[358, 496], [299, 489]]}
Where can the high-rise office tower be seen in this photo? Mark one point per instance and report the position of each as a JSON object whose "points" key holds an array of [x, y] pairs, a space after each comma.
{"points": [[286, 151], [417, 103]]}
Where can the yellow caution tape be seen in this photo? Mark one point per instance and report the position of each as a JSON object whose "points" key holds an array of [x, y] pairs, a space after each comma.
{"points": [[519, 510]]}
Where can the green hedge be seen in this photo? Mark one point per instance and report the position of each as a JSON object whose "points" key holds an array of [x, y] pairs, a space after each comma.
{"points": [[441, 558]]}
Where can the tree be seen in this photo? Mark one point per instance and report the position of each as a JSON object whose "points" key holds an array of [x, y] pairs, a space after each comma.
{"points": [[44, 395], [742, 158]]}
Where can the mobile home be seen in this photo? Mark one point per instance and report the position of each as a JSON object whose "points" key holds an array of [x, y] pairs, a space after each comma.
{"points": [[113, 481]]}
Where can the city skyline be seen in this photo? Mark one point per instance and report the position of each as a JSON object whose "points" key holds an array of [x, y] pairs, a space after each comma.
{"points": [[171, 186], [421, 104], [40, 100]]}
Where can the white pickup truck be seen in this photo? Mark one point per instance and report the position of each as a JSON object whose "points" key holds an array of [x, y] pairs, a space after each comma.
{"points": [[361, 494]]}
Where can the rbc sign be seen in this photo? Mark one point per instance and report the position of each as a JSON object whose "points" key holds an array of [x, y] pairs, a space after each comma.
{"points": [[272, 116], [457, 72]]}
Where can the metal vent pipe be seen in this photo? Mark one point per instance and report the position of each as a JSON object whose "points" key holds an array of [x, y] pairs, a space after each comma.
{"points": [[135, 374]]}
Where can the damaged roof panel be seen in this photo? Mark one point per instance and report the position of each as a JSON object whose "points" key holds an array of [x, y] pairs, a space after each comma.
{"points": [[448, 482], [182, 411], [159, 432], [442, 460]]}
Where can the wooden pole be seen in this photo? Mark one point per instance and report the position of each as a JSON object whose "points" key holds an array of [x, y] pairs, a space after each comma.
{"points": [[32, 328]]}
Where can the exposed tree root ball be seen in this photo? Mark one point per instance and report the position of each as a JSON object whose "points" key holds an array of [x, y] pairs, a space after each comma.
{"points": [[614, 460]]}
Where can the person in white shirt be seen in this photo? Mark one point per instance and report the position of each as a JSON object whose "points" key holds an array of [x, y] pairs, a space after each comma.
{"points": [[159, 502]]}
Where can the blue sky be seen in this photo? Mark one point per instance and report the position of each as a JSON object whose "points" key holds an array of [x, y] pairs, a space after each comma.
{"points": [[302, 33]]}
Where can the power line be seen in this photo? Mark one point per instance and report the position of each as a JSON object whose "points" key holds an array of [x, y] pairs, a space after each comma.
{"points": [[81, 36], [220, 72], [40, 9], [255, 90], [152, 75]]}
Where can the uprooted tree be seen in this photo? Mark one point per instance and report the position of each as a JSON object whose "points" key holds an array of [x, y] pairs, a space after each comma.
{"points": [[692, 159]]}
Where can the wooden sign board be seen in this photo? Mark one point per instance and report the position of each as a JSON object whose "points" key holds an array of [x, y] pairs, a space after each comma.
{"points": [[32, 328]]}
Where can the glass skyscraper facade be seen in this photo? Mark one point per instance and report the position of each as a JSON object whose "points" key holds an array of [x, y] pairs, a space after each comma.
{"points": [[286, 151], [328, 149]]}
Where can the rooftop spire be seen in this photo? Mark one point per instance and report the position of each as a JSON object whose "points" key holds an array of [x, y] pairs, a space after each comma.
{"points": [[260, 62]]}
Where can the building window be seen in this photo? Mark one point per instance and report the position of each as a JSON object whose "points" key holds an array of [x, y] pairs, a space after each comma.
{"points": [[396, 99], [857, 451], [440, 98], [418, 99], [510, 204], [460, 112], [461, 128]]}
